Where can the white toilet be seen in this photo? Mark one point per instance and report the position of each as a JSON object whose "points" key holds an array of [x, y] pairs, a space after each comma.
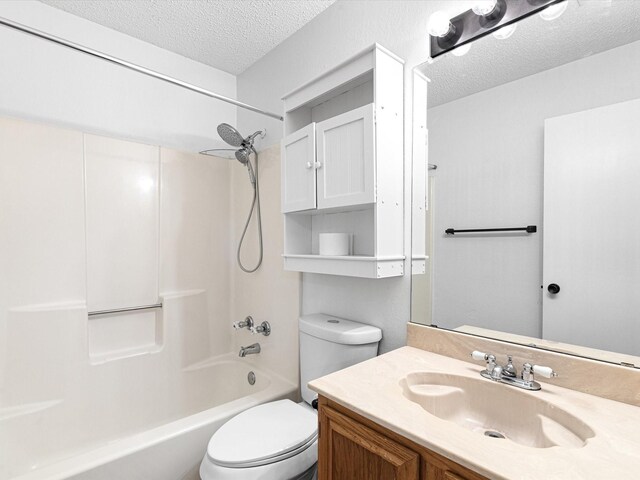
{"points": [[278, 440]]}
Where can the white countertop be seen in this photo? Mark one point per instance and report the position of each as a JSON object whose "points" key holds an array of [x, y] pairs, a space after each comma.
{"points": [[372, 389]]}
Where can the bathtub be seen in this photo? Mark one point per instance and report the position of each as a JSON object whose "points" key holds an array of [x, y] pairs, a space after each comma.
{"points": [[160, 437]]}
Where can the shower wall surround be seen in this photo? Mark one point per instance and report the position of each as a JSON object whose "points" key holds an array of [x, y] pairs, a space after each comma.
{"points": [[57, 270], [92, 223]]}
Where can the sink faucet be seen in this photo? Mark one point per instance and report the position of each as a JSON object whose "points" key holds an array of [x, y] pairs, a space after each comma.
{"points": [[250, 350], [508, 374]]}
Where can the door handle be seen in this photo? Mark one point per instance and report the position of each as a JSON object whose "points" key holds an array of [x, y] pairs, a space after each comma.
{"points": [[553, 288]]}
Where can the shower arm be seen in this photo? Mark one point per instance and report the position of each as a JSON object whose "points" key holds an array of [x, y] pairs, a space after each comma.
{"points": [[132, 66], [249, 140]]}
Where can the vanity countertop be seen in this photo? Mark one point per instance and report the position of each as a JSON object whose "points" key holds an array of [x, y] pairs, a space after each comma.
{"points": [[373, 390]]}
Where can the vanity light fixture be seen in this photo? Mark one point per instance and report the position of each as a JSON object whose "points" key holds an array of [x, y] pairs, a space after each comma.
{"points": [[487, 16]]}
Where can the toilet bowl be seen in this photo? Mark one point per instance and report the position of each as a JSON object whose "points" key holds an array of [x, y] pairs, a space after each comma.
{"points": [[275, 440], [279, 440]]}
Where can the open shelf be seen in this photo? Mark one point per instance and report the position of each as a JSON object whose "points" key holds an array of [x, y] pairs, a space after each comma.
{"points": [[348, 266]]}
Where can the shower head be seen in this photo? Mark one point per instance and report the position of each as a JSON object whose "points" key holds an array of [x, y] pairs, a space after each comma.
{"points": [[243, 155], [230, 135]]}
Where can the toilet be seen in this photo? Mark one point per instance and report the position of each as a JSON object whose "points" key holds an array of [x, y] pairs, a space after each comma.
{"points": [[279, 440]]}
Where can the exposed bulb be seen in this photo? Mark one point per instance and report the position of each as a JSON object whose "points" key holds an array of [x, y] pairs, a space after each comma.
{"points": [[554, 11], [439, 24], [460, 51], [505, 32], [484, 7]]}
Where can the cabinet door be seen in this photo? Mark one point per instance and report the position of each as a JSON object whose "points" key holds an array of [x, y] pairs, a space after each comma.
{"points": [[349, 450], [298, 170], [346, 159]]}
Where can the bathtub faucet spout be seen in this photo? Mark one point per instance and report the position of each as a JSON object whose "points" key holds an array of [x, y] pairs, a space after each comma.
{"points": [[250, 350]]}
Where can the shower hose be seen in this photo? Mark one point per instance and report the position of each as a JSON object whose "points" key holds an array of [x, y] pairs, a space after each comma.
{"points": [[255, 206]]}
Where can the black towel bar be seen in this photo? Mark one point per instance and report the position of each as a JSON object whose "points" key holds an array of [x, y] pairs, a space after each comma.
{"points": [[528, 229]]}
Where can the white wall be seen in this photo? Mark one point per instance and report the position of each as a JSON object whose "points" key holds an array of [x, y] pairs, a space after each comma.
{"points": [[489, 151], [341, 31], [43, 81]]}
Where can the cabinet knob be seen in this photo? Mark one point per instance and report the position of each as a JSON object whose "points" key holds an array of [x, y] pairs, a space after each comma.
{"points": [[317, 165], [310, 165], [553, 288]]}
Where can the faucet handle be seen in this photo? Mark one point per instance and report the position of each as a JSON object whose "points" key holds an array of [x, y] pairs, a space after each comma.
{"points": [[487, 357], [264, 328], [476, 355], [246, 323], [546, 372]]}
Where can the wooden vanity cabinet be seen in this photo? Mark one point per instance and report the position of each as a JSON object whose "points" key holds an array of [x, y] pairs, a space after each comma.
{"points": [[351, 447]]}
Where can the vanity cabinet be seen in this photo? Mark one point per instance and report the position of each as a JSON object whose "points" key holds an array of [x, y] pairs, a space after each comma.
{"points": [[342, 167], [351, 447]]}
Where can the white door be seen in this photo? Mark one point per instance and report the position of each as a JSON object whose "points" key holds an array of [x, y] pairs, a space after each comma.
{"points": [[298, 170], [592, 228], [346, 159]]}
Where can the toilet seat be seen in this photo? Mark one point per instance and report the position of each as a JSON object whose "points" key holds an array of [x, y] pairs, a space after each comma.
{"points": [[264, 434]]}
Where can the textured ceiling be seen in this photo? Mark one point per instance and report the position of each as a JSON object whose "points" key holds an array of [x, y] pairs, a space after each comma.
{"points": [[226, 34], [585, 28]]}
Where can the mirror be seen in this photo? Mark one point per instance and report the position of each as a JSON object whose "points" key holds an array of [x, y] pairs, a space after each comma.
{"points": [[539, 129]]}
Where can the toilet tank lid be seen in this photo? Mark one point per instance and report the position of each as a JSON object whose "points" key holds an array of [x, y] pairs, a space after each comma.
{"points": [[338, 330]]}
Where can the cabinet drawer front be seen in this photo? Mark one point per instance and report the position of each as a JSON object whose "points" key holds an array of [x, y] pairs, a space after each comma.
{"points": [[298, 170], [346, 158]]}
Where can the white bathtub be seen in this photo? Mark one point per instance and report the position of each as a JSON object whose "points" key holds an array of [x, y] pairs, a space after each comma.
{"points": [[154, 436]]}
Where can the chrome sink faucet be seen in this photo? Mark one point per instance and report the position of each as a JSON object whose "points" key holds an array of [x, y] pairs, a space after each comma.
{"points": [[508, 374]]}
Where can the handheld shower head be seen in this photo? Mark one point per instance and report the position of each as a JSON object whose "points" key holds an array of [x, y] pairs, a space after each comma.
{"points": [[243, 155], [230, 135]]}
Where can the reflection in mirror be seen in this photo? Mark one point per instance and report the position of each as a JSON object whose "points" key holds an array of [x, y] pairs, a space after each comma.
{"points": [[539, 129]]}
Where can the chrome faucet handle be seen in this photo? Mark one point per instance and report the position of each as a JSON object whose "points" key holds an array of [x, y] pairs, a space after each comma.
{"points": [[246, 323], [487, 357], [264, 328], [529, 371]]}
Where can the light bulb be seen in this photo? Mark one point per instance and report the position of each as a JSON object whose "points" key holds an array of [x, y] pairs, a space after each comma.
{"points": [[554, 11], [439, 24], [484, 7], [460, 51], [505, 32]]}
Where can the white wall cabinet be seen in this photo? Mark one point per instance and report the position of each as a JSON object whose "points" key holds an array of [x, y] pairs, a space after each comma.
{"points": [[343, 165], [299, 170], [331, 163]]}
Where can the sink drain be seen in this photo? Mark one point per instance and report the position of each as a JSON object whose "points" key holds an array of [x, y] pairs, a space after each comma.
{"points": [[493, 434]]}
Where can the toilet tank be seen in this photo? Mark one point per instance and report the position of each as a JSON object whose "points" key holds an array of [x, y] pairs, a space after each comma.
{"points": [[329, 344]]}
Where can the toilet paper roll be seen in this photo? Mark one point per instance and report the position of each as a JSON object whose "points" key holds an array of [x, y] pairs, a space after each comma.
{"points": [[333, 244]]}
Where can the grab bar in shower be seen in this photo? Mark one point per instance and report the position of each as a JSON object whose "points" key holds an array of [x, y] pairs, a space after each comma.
{"points": [[123, 310], [528, 229]]}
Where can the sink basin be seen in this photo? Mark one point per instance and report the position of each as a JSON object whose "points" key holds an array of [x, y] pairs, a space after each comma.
{"points": [[495, 410]]}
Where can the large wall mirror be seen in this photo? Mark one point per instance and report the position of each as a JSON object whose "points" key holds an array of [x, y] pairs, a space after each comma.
{"points": [[538, 129]]}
